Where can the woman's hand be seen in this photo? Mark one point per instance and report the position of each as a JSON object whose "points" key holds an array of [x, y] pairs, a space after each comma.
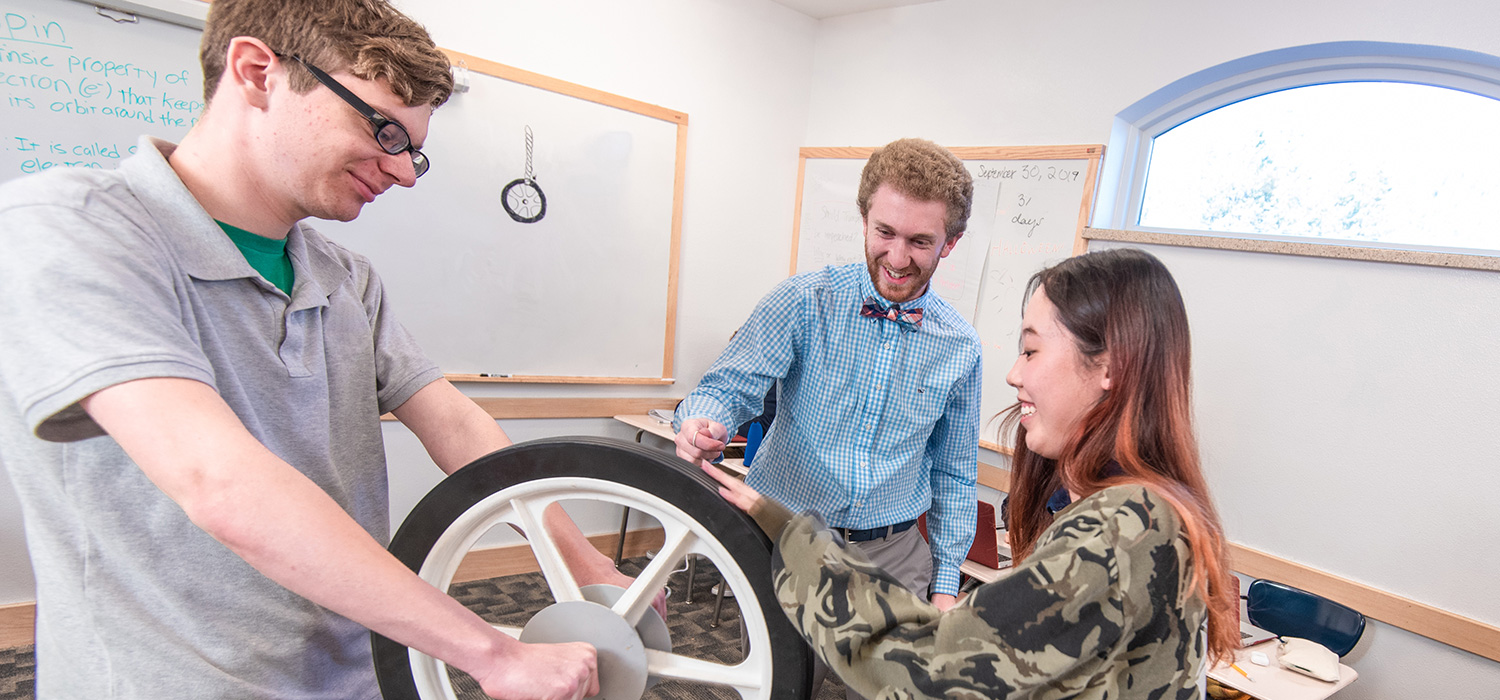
{"points": [[734, 490]]}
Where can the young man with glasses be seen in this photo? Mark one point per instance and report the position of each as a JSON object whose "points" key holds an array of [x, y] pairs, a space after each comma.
{"points": [[193, 378]]}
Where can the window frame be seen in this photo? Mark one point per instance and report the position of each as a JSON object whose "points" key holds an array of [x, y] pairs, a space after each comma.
{"points": [[1123, 174]]}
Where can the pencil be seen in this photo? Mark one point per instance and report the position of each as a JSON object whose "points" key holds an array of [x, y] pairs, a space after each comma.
{"points": [[1242, 671]]}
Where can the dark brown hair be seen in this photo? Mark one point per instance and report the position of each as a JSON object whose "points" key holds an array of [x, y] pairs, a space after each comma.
{"points": [[922, 170], [1125, 303], [368, 38]]}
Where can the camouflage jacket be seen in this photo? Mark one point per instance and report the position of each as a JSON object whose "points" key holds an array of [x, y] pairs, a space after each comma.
{"points": [[1096, 612]]}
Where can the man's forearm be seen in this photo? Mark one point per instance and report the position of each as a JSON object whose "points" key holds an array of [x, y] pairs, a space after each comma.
{"points": [[193, 447], [453, 429], [951, 523]]}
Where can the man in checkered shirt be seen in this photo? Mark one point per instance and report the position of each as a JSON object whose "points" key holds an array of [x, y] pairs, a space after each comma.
{"points": [[879, 381]]}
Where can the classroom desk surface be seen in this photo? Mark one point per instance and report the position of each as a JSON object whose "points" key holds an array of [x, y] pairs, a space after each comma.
{"points": [[1274, 682], [647, 424], [984, 573]]}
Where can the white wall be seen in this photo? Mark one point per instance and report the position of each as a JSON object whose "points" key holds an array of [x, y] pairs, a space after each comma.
{"points": [[1346, 408], [1000, 72]]}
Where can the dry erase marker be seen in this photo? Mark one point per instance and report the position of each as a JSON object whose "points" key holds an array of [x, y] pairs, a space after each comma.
{"points": [[487, 374]]}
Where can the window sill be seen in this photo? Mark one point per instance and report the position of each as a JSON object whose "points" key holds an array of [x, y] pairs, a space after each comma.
{"points": [[1282, 246]]}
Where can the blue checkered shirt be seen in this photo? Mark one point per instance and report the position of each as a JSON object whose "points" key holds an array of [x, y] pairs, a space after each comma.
{"points": [[875, 424]]}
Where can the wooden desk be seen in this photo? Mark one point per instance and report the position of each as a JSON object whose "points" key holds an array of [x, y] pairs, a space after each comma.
{"points": [[1274, 682], [647, 424]]}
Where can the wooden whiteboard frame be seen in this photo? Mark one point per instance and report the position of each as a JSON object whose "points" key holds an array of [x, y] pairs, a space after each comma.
{"points": [[1093, 153], [562, 87]]}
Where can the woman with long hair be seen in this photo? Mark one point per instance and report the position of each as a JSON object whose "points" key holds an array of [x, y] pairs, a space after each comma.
{"points": [[1111, 592]]}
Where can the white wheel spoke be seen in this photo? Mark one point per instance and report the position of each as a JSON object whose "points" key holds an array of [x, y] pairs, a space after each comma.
{"points": [[745, 677], [678, 540], [559, 577], [512, 632], [524, 505]]}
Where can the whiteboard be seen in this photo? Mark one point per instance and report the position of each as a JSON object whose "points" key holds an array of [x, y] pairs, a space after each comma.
{"points": [[585, 294], [78, 89], [1030, 207]]}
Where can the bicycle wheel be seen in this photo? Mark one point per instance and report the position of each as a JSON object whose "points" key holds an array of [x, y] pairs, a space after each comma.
{"points": [[514, 485]]}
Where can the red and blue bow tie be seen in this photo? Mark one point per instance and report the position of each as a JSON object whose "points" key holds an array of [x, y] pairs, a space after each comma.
{"points": [[910, 319]]}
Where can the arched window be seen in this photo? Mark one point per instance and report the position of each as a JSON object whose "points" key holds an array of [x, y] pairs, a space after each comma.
{"points": [[1352, 143]]}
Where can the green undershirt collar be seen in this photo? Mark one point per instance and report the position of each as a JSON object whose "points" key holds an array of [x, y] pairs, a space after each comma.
{"points": [[266, 255]]}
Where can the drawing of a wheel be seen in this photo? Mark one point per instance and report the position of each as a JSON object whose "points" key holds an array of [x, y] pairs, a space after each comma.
{"points": [[524, 201], [515, 485]]}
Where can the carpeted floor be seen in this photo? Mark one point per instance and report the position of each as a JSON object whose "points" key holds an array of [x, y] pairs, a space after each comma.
{"points": [[514, 599], [17, 673]]}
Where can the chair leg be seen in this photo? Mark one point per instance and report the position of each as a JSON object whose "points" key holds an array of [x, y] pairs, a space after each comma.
{"points": [[625, 519], [692, 574], [719, 603], [620, 546]]}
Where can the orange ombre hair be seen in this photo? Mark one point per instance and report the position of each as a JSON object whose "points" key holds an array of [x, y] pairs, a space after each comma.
{"points": [[1124, 305]]}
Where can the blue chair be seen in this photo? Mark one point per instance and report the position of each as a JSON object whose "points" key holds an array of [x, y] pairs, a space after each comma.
{"points": [[1292, 612], [752, 441]]}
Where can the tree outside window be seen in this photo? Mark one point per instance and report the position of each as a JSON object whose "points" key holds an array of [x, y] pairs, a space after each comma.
{"points": [[1378, 162]]}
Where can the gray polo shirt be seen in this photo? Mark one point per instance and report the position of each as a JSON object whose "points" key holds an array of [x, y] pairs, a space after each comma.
{"points": [[110, 276]]}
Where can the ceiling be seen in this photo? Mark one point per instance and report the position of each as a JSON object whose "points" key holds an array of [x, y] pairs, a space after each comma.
{"points": [[820, 9]]}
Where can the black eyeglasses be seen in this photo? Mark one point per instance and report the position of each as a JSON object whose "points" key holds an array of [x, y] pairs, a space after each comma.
{"points": [[391, 136]]}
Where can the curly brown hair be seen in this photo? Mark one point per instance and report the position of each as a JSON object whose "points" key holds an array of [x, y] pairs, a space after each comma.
{"points": [[920, 169], [368, 38]]}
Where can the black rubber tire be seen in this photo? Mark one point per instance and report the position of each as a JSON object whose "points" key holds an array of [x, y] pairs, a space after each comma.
{"points": [[626, 463]]}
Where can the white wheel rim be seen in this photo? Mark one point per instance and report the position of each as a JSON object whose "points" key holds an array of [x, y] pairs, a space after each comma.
{"points": [[522, 505]]}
